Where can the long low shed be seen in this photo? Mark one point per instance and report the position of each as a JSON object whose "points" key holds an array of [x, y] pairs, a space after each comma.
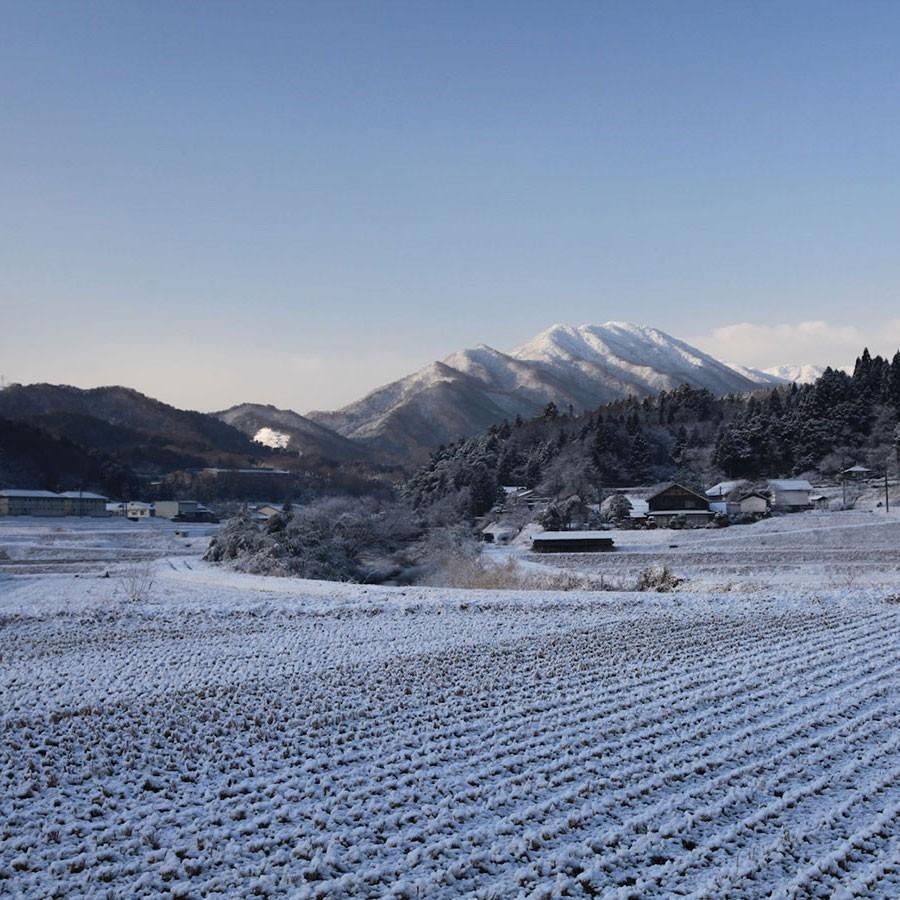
{"points": [[571, 542]]}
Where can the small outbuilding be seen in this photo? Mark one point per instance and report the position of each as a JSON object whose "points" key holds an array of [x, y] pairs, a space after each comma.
{"points": [[133, 509], [856, 473], [753, 503], [499, 533], [572, 542], [184, 511]]}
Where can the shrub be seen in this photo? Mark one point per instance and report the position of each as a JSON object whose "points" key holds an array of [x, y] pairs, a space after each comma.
{"points": [[335, 539], [137, 582], [658, 578]]}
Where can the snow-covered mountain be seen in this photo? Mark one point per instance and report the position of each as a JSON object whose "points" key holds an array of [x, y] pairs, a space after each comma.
{"points": [[760, 377], [470, 390], [803, 374]]}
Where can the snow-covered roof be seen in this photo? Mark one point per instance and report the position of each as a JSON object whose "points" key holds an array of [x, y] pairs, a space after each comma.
{"points": [[639, 506], [82, 495], [857, 470], [50, 495], [15, 492], [569, 535], [20, 493], [498, 528], [789, 484], [658, 489], [723, 488]]}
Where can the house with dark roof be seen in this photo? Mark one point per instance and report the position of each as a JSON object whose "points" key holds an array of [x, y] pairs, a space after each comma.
{"points": [[666, 501]]}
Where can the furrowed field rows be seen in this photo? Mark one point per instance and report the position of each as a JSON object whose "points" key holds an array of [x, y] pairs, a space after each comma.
{"points": [[627, 749]]}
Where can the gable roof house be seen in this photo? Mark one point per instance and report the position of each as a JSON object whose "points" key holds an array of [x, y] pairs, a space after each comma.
{"points": [[790, 494], [666, 501], [753, 503]]}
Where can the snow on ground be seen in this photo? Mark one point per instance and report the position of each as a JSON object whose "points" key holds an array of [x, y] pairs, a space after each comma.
{"points": [[228, 735], [812, 550]]}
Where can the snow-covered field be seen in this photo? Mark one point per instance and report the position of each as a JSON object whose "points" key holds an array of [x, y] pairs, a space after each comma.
{"points": [[228, 735], [813, 550]]}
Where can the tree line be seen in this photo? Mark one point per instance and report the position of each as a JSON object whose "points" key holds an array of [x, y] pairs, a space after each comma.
{"points": [[687, 435]]}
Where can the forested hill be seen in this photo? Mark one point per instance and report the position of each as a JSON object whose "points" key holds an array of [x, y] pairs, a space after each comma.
{"points": [[686, 434]]}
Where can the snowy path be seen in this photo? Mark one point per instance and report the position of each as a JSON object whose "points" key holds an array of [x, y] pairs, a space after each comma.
{"points": [[442, 744]]}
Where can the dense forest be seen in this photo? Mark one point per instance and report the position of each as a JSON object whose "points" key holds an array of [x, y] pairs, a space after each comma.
{"points": [[686, 435]]}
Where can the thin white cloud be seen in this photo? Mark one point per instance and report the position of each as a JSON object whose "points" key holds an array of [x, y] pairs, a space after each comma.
{"points": [[814, 342]]}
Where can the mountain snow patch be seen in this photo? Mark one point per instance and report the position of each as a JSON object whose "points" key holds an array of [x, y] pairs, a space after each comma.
{"points": [[800, 374], [269, 437]]}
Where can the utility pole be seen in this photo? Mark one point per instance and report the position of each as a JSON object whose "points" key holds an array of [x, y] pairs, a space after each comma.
{"points": [[887, 497]]}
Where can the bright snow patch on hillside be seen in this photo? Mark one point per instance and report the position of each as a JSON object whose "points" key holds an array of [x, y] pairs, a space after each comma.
{"points": [[269, 437]]}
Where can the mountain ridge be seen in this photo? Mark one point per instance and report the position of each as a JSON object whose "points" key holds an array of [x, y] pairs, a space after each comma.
{"points": [[579, 366]]}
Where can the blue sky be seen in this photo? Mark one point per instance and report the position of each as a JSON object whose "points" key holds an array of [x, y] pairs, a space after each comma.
{"points": [[295, 202]]}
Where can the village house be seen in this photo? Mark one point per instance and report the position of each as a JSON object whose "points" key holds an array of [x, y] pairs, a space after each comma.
{"points": [[753, 503], [513, 494], [267, 510], [133, 509], [724, 493], [736, 498], [789, 494], [669, 500], [183, 511]]}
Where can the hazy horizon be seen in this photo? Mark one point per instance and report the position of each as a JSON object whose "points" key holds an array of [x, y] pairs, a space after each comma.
{"points": [[296, 203], [815, 334]]}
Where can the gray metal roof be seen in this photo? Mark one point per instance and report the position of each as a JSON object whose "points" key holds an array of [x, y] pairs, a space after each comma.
{"points": [[82, 495], [24, 493], [45, 495]]}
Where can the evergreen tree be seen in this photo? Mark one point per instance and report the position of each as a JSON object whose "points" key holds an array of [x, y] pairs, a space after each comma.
{"points": [[639, 457]]}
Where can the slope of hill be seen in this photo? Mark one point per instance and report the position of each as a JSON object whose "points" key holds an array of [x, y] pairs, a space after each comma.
{"points": [[126, 409], [30, 457], [284, 429], [581, 367], [135, 430]]}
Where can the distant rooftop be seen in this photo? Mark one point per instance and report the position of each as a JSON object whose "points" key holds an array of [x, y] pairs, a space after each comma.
{"points": [[67, 495], [790, 484]]}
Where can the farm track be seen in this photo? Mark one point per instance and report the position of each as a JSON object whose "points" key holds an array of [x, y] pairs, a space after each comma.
{"points": [[631, 749]]}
